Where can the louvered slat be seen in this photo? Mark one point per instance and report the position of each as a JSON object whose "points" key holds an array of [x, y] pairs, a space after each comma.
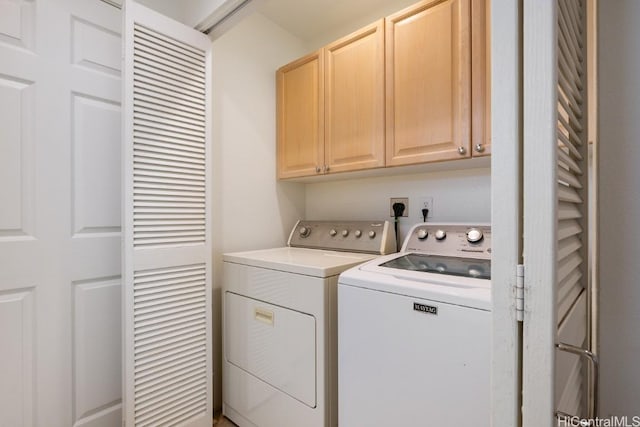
{"points": [[162, 39], [151, 390], [570, 163], [567, 178], [174, 342], [571, 129], [568, 246], [574, 115], [568, 228], [180, 109], [568, 194], [568, 211], [571, 271], [568, 292], [150, 115], [564, 142]]}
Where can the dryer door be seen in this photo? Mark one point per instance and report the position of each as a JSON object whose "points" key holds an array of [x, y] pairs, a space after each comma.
{"points": [[273, 343]]}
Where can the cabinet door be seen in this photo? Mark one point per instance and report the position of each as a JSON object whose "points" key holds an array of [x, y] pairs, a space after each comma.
{"points": [[300, 117], [480, 78], [354, 100], [428, 82]]}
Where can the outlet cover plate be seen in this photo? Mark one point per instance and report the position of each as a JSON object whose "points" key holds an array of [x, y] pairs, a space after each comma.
{"points": [[404, 200], [425, 202]]}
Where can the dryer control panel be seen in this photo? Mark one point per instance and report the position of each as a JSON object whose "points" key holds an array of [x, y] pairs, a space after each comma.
{"points": [[452, 239], [375, 237]]}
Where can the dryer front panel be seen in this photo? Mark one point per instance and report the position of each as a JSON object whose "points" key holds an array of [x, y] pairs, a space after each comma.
{"points": [[273, 343]]}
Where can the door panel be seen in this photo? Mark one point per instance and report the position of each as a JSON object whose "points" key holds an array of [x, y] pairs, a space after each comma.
{"points": [[300, 117], [428, 82], [94, 152], [167, 230], [17, 353], [555, 210], [354, 100], [59, 221], [259, 332]]}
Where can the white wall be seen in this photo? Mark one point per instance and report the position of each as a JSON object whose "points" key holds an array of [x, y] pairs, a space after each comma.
{"points": [[197, 10], [189, 12], [252, 210], [171, 8], [366, 17], [462, 195], [619, 204]]}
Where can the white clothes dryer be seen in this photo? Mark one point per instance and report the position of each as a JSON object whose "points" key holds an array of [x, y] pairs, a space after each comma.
{"points": [[280, 331]]}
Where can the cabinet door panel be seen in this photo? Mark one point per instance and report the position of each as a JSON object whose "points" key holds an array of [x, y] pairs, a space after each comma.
{"points": [[481, 78], [354, 100], [300, 93], [428, 72]]}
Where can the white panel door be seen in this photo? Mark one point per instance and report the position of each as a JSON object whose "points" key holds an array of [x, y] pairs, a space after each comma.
{"points": [[60, 136], [167, 226]]}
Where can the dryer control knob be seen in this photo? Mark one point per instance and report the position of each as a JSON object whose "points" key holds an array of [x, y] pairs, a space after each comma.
{"points": [[422, 234], [304, 231], [372, 234], [345, 233], [474, 235], [358, 233], [333, 232], [440, 234]]}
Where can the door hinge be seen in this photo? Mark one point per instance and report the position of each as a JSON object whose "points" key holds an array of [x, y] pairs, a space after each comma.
{"points": [[520, 293]]}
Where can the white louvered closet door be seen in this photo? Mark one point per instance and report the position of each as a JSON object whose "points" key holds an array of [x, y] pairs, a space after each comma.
{"points": [[555, 211], [166, 223]]}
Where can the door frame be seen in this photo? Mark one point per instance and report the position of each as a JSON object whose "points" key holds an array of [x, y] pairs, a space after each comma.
{"points": [[506, 209]]}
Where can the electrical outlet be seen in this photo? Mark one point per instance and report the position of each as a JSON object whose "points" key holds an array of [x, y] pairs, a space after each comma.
{"points": [[404, 200], [425, 202]]}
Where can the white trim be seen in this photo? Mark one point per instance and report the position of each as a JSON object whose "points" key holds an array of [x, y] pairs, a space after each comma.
{"points": [[115, 3], [226, 16], [505, 209], [540, 210]]}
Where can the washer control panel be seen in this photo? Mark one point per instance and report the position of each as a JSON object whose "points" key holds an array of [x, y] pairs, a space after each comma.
{"points": [[376, 237], [453, 239]]}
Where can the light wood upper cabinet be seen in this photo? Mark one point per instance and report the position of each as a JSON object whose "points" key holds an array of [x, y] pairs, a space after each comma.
{"points": [[480, 78], [410, 88], [428, 82], [354, 101], [300, 117]]}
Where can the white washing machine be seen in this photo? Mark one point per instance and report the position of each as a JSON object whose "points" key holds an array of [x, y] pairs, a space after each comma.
{"points": [[280, 332], [414, 332]]}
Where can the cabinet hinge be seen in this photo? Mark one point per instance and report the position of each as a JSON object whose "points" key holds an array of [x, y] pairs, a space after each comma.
{"points": [[520, 293]]}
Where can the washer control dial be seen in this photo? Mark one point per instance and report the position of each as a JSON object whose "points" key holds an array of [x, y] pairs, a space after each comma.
{"points": [[333, 232], [345, 233], [474, 235], [372, 234], [440, 234], [422, 234], [304, 231], [358, 233]]}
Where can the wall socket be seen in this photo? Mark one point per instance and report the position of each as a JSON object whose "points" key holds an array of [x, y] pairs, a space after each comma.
{"points": [[425, 202], [404, 200]]}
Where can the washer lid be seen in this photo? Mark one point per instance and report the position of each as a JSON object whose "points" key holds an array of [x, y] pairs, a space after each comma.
{"points": [[436, 264], [459, 290], [311, 262]]}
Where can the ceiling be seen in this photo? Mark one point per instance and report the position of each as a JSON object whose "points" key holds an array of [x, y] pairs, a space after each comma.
{"points": [[312, 19]]}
